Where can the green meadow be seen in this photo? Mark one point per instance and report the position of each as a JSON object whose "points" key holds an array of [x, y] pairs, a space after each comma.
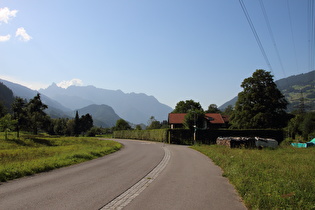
{"points": [[33, 154], [282, 178]]}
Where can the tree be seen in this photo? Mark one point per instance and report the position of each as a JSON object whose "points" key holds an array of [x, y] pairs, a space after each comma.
{"points": [[76, 126], [293, 127], [228, 110], [195, 117], [164, 124], [70, 127], [36, 115], [86, 122], [308, 126], [213, 108], [60, 126], [6, 124], [121, 124], [260, 104], [153, 123], [138, 127], [185, 106], [3, 110], [19, 113]]}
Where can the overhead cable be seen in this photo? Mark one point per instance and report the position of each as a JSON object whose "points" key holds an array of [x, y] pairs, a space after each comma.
{"points": [[311, 33], [291, 27], [255, 34], [271, 35]]}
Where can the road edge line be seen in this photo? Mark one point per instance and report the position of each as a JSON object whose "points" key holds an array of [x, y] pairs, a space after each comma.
{"points": [[125, 198]]}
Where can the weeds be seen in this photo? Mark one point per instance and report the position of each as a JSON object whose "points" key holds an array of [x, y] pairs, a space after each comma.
{"points": [[268, 179]]}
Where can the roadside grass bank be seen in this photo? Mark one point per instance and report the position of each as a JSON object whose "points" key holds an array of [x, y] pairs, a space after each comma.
{"points": [[283, 178], [33, 154]]}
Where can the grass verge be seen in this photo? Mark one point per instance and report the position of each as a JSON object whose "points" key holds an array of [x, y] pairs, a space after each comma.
{"points": [[268, 179], [32, 155]]}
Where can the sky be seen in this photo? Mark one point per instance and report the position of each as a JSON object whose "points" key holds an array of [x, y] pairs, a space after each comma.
{"points": [[174, 50]]}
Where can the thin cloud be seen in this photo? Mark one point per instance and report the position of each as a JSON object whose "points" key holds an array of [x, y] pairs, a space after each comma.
{"points": [[22, 35], [6, 14], [5, 38], [73, 82]]}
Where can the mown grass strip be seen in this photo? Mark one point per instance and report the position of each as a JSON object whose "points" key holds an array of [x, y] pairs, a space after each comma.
{"points": [[283, 178], [24, 157]]}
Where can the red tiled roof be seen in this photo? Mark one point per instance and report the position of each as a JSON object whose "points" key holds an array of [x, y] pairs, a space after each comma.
{"points": [[214, 118], [178, 118]]}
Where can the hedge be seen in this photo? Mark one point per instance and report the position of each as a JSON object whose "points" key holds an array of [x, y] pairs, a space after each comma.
{"points": [[160, 135]]}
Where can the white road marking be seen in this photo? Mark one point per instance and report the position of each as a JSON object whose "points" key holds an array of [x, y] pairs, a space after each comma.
{"points": [[125, 198]]}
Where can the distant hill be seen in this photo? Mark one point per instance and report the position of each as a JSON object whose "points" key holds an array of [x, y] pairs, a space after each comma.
{"points": [[294, 88], [136, 108], [103, 115], [133, 107], [55, 109], [6, 96]]}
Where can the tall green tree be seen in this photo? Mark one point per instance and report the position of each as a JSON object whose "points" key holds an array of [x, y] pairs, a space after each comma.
{"points": [[19, 113], [76, 126], [86, 122], [36, 115], [186, 106], [260, 104]]}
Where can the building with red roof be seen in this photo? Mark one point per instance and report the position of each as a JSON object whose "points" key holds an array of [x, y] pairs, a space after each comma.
{"points": [[212, 120]]}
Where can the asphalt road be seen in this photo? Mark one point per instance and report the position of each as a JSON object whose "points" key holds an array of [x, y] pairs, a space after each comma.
{"points": [[189, 181], [185, 180], [89, 185]]}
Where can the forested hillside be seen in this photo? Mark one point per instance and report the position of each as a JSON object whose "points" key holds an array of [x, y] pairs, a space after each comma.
{"points": [[6, 97], [299, 91]]}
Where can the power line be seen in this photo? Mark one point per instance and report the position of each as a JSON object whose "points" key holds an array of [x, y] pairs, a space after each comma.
{"points": [[311, 33], [271, 35], [255, 34], [291, 27]]}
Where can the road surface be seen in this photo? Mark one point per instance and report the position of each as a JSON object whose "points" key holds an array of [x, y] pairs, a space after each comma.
{"points": [[149, 175]]}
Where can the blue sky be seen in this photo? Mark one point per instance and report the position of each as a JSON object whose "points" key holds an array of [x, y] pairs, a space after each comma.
{"points": [[172, 49]]}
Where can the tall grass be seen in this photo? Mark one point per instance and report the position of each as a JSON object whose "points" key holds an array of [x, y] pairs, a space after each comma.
{"points": [[268, 179], [38, 154]]}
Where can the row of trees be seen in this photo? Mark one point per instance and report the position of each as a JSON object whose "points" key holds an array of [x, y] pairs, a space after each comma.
{"points": [[30, 116]]}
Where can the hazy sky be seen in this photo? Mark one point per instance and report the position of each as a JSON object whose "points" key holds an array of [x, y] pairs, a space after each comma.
{"points": [[172, 49]]}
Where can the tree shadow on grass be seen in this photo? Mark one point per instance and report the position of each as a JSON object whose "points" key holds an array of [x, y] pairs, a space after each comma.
{"points": [[43, 142], [19, 142]]}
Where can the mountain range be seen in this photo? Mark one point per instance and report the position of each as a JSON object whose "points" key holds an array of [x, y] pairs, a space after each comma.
{"points": [[105, 106], [299, 90]]}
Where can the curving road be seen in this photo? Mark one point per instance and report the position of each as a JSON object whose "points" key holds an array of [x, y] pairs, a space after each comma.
{"points": [[167, 177]]}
